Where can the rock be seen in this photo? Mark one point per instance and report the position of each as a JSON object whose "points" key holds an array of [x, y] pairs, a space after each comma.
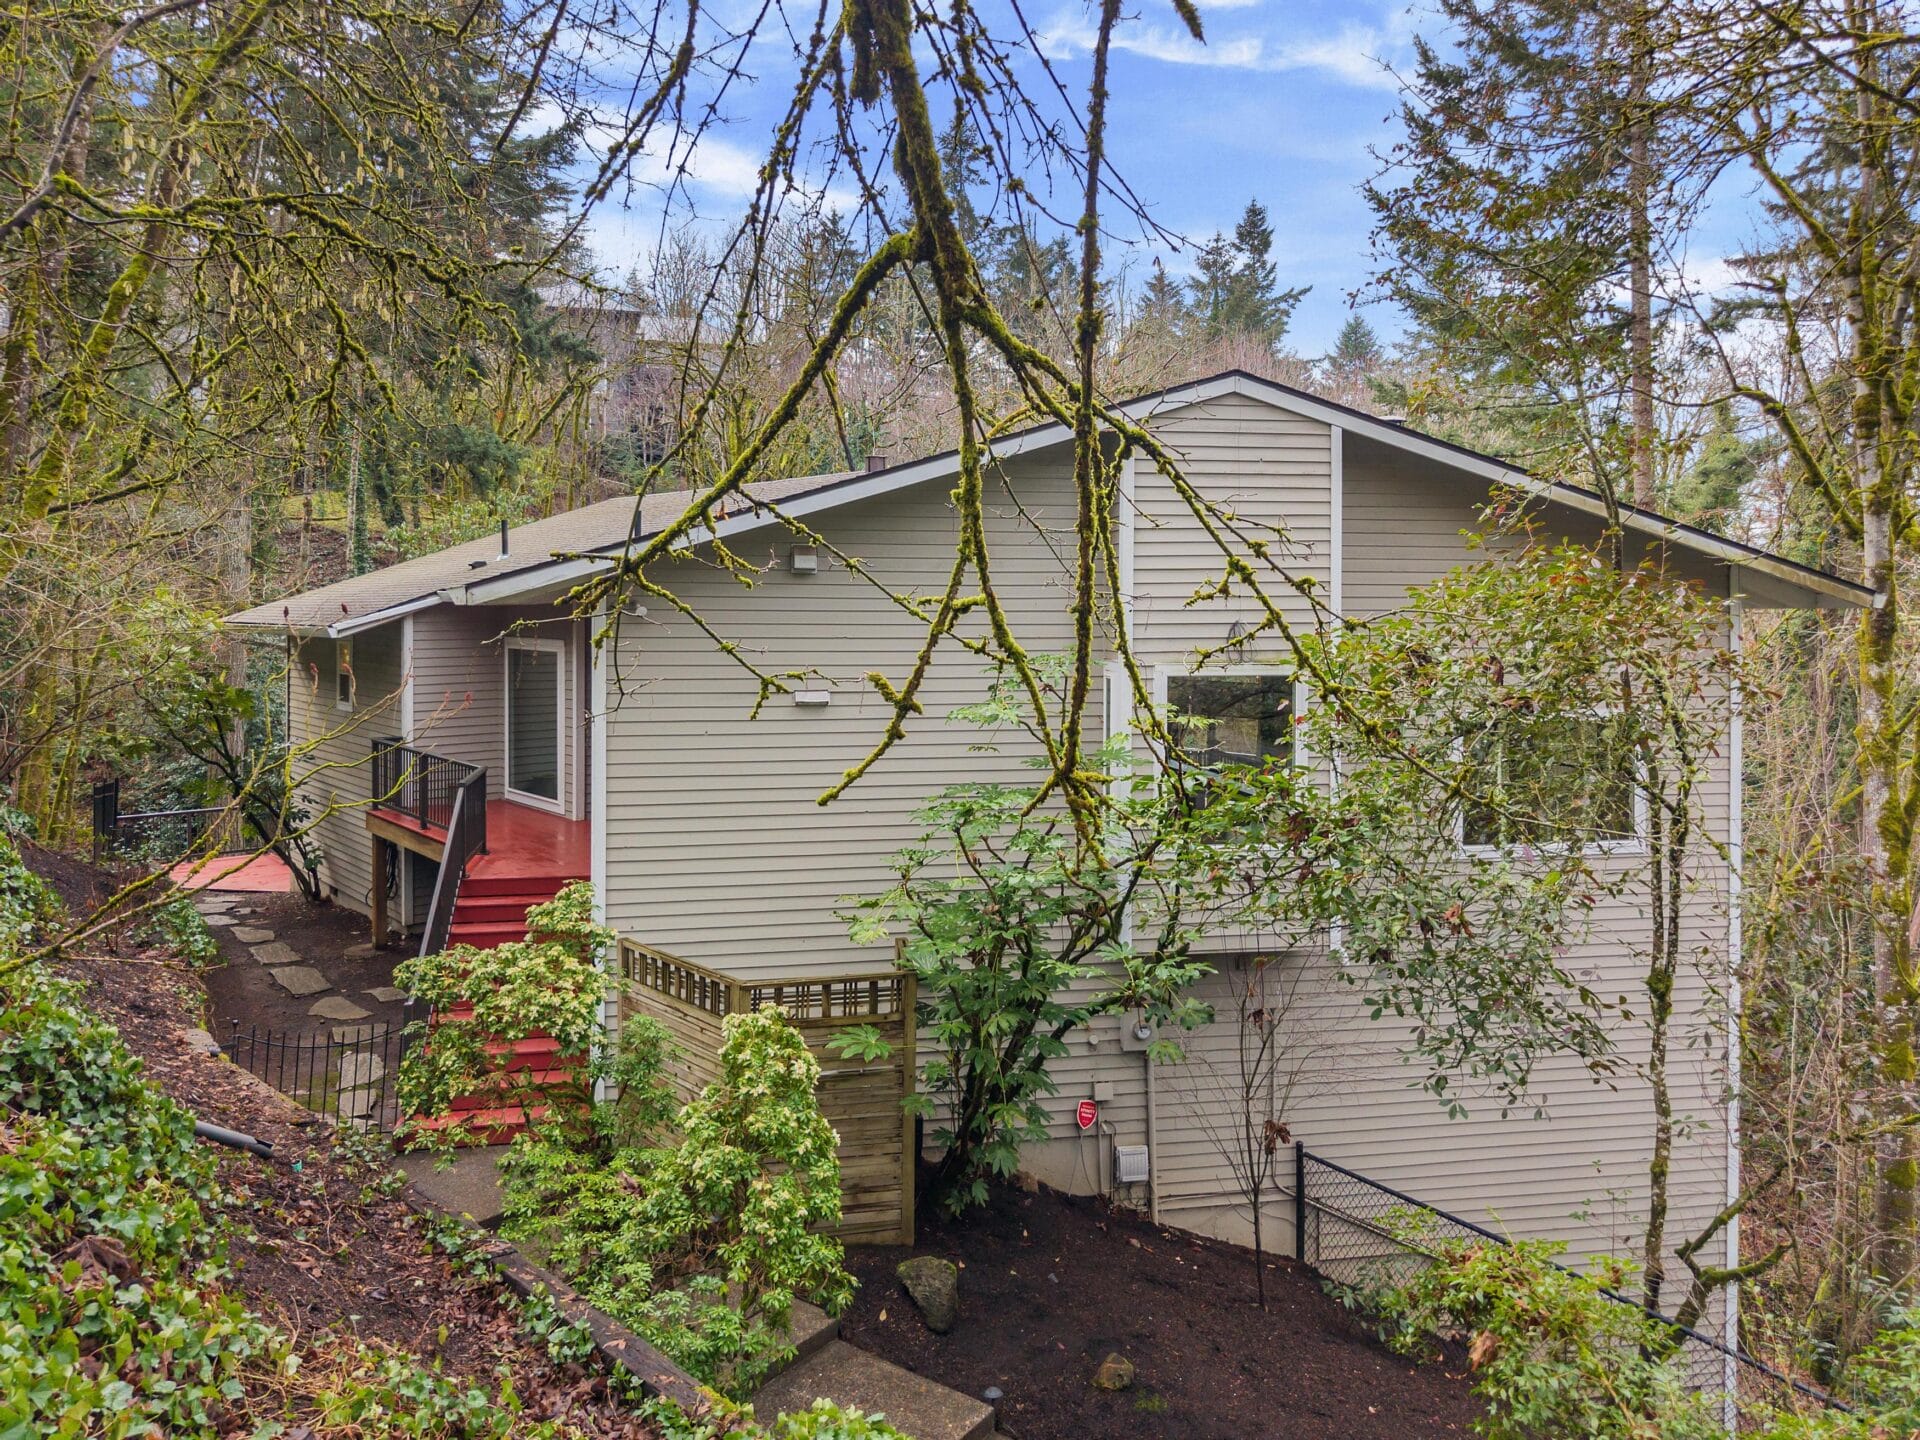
{"points": [[359, 1070], [251, 935], [354, 1034], [387, 994], [933, 1285], [365, 950], [1115, 1373], [301, 980], [216, 920], [336, 1007], [276, 954]]}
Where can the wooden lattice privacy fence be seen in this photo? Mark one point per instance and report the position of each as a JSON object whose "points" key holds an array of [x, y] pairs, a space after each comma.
{"points": [[862, 1100]]}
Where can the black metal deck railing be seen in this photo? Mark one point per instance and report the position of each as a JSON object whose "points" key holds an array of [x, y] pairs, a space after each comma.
{"points": [[159, 834], [417, 783]]}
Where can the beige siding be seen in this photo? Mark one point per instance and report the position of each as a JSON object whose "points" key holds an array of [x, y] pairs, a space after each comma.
{"points": [[459, 688], [717, 850], [333, 746], [1579, 1173], [1260, 465]]}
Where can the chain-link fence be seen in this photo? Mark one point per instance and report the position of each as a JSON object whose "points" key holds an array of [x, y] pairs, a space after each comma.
{"points": [[1358, 1232]]}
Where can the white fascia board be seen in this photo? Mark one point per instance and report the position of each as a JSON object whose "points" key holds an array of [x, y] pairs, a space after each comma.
{"points": [[500, 589], [373, 619], [885, 482], [1497, 472]]}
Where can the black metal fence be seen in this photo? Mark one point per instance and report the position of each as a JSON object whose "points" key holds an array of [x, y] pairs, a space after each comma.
{"points": [[156, 834], [1358, 1232], [350, 1072]]}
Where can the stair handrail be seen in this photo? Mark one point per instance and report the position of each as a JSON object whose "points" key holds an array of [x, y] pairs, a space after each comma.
{"points": [[466, 837]]}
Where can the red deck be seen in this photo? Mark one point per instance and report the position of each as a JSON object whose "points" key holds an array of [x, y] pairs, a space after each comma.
{"points": [[262, 875], [525, 842]]}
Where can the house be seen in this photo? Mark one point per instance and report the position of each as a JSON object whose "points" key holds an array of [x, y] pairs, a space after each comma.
{"points": [[644, 767]]}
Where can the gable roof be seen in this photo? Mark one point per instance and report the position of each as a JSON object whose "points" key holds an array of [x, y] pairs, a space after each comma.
{"points": [[449, 576], [568, 547]]}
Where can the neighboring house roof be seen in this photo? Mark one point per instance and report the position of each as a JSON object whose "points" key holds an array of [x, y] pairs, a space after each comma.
{"points": [[570, 546]]}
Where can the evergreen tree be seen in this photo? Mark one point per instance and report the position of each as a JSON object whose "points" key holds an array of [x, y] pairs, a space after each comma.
{"points": [[1356, 350], [1235, 291]]}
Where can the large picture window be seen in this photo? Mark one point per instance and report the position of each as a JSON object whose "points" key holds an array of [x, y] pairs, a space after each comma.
{"points": [[1565, 781]]}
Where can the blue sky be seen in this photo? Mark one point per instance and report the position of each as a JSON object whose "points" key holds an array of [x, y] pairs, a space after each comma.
{"points": [[1280, 105]]}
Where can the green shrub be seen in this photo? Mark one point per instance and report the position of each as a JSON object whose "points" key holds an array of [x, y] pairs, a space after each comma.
{"points": [[109, 1320], [112, 1320], [552, 982], [701, 1243], [824, 1420], [1551, 1353], [28, 906], [1882, 1388], [180, 928]]}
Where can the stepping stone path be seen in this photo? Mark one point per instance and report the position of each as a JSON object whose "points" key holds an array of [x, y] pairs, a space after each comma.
{"points": [[365, 950], [354, 1034], [217, 920], [336, 1007], [359, 1087], [276, 953], [387, 994], [301, 980], [250, 935]]}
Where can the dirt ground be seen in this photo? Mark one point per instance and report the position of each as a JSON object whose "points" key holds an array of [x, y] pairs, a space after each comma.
{"points": [[1051, 1285], [243, 992], [320, 1246]]}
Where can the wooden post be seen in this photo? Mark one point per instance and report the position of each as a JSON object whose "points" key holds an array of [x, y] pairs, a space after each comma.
{"points": [[909, 1069], [379, 889]]}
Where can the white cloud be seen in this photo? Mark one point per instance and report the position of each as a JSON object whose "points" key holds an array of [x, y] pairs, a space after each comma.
{"points": [[1351, 55]]}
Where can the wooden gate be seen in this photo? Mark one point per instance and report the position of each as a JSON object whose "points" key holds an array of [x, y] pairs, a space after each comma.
{"points": [[863, 1100]]}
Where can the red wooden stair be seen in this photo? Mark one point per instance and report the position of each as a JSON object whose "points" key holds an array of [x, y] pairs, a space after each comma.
{"points": [[531, 857]]}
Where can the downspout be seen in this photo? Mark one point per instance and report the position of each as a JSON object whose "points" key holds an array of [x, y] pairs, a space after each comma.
{"points": [[595, 732], [1119, 701], [1736, 941]]}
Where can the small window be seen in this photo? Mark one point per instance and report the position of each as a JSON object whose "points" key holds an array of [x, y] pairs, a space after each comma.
{"points": [[1231, 719], [343, 675], [1568, 781]]}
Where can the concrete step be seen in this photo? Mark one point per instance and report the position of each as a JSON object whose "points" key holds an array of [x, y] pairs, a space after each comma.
{"points": [[913, 1404], [811, 1329]]}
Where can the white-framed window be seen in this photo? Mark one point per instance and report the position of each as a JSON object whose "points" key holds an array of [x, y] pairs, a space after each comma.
{"points": [[343, 688], [1237, 715], [1565, 782]]}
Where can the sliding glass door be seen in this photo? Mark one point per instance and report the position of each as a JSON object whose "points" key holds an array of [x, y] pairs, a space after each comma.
{"points": [[536, 696]]}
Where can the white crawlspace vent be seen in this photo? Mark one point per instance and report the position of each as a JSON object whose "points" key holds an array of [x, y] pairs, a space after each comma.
{"points": [[1130, 1166]]}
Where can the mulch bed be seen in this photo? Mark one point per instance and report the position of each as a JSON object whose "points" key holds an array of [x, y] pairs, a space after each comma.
{"points": [[321, 1247], [1051, 1285]]}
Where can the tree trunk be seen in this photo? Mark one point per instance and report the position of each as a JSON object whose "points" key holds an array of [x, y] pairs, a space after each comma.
{"points": [[1640, 261], [1886, 822]]}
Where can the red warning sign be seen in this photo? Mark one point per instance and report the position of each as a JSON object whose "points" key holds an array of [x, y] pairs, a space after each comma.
{"points": [[1086, 1112]]}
